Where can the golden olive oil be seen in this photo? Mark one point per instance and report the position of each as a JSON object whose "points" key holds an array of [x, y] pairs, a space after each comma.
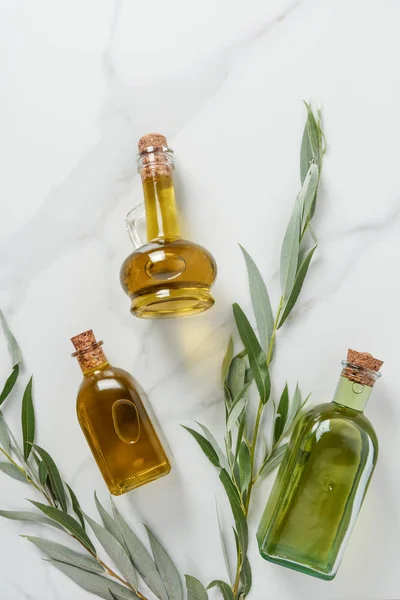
{"points": [[115, 422]]}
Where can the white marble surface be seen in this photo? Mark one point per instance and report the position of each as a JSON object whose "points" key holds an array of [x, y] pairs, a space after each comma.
{"points": [[80, 82]]}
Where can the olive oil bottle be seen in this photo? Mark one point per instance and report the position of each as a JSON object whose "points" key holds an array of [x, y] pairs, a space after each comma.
{"points": [[167, 276], [114, 420], [323, 478]]}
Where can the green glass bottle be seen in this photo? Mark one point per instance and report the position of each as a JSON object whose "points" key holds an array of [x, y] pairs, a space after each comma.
{"points": [[323, 478]]}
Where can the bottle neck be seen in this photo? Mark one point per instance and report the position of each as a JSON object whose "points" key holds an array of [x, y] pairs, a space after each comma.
{"points": [[156, 170], [352, 394], [92, 359]]}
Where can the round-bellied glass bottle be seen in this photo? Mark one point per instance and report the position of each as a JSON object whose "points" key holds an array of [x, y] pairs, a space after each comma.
{"points": [[115, 422], [167, 276], [323, 478]]}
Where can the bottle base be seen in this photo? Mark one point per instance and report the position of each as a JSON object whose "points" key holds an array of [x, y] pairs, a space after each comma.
{"points": [[172, 302], [301, 568], [134, 482]]}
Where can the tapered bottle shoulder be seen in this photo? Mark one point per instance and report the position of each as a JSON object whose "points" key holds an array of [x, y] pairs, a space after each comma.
{"points": [[101, 385], [334, 425]]}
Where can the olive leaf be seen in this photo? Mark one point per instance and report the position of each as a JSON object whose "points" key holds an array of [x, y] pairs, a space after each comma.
{"points": [[237, 510], [225, 589], [141, 557], [293, 408], [66, 555], [290, 252], [94, 583], [165, 566], [12, 471], [227, 360], [21, 515], [281, 416], [261, 302], [204, 445], [235, 412], [9, 384], [76, 507], [223, 544], [246, 579], [13, 348], [244, 461], [67, 522], [43, 474], [108, 522], [28, 420], [57, 485], [298, 284], [272, 461], [4, 435], [195, 589], [115, 551], [221, 456], [311, 145], [307, 195], [236, 375], [257, 357]]}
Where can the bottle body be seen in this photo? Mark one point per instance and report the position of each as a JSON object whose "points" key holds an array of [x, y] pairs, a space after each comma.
{"points": [[118, 430], [168, 276], [320, 487]]}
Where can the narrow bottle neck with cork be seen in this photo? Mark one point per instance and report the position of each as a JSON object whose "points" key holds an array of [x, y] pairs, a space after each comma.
{"points": [[360, 371], [89, 353], [155, 165]]}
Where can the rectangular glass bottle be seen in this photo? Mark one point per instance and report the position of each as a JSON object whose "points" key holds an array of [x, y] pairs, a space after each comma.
{"points": [[323, 478], [115, 422]]}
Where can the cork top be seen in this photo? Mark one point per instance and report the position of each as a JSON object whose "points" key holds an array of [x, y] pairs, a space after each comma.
{"points": [[152, 140], [362, 367], [88, 351]]}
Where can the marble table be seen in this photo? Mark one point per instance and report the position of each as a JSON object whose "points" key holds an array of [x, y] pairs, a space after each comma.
{"points": [[81, 81]]}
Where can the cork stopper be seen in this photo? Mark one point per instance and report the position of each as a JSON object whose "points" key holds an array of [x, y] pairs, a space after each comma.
{"points": [[88, 351], [155, 140], [155, 157], [362, 367]]}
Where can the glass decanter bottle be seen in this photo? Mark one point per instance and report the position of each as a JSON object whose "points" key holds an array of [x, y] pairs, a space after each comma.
{"points": [[167, 276], [114, 420], [323, 478]]}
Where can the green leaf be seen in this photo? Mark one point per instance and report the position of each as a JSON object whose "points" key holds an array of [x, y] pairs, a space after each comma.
{"points": [[76, 506], [205, 446], [281, 414], [13, 348], [20, 515], [28, 420], [4, 435], [221, 456], [55, 479], [272, 461], [261, 302], [311, 149], [43, 474], [223, 544], [236, 375], [195, 589], [109, 523], [227, 360], [12, 471], [9, 384], [115, 551], [66, 555], [225, 589], [244, 461], [235, 412], [96, 584], [141, 557], [168, 572], [290, 252], [67, 522], [307, 194], [293, 408], [257, 358], [298, 284], [237, 510], [245, 578]]}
